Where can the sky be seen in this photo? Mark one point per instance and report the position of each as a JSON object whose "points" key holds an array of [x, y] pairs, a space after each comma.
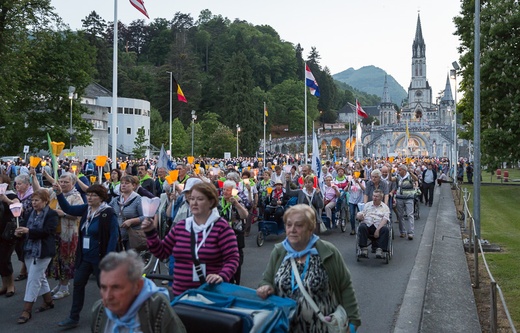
{"points": [[346, 33]]}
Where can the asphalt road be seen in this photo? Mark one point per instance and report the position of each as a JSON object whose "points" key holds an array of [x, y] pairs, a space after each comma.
{"points": [[379, 287]]}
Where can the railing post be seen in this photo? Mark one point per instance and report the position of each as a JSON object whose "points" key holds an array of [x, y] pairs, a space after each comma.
{"points": [[493, 308], [476, 249], [470, 237]]}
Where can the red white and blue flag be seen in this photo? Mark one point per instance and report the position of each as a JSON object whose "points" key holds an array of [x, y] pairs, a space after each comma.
{"points": [[310, 82], [360, 110], [139, 5]]}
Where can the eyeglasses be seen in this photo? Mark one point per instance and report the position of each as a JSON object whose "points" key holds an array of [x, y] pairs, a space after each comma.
{"points": [[91, 194]]}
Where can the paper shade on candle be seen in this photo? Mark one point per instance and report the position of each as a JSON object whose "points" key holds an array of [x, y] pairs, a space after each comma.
{"points": [[74, 168], [122, 165], [191, 159], [150, 206], [246, 181], [169, 179], [234, 192], [3, 188], [181, 187], [34, 161], [16, 209], [174, 174], [269, 190], [101, 161], [107, 175], [92, 179], [44, 163], [357, 174]]}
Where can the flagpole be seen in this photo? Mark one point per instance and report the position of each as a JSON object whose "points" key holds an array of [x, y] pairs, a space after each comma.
{"points": [[265, 123], [349, 140], [305, 88], [171, 88], [114, 93]]}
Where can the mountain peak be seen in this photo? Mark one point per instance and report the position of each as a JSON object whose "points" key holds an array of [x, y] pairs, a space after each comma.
{"points": [[371, 79]]}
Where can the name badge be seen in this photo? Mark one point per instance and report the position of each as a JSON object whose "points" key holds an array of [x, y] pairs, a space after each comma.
{"points": [[86, 243], [195, 275]]}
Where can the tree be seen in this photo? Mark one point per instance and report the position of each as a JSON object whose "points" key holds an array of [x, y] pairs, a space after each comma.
{"points": [[223, 140], [180, 139], [159, 129], [499, 75], [140, 144]]}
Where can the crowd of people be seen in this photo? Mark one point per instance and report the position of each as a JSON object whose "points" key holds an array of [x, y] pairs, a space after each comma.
{"points": [[78, 225]]}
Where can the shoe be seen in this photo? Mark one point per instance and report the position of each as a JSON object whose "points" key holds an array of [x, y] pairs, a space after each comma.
{"points": [[374, 250], [21, 277], [403, 235], [55, 289], [9, 294], [429, 204], [364, 252], [23, 319], [46, 306], [68, 323], [410, 237], [426, 204], [353, 232], [379, 253], [61, 294]]}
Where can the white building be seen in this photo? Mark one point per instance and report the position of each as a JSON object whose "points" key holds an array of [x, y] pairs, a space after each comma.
{"points": [[132, 114]]}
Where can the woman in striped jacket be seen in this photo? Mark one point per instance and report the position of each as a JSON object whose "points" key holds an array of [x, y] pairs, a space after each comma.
{"points": [[204, 245]]}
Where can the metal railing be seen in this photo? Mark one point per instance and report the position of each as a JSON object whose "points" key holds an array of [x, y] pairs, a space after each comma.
{"points": [[494, 287]]}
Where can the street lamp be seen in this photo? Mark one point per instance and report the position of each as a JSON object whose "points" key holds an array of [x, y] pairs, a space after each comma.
{"points": [[193, 118], [238, 130], [71, 97], [171, 86], [453, 75]]}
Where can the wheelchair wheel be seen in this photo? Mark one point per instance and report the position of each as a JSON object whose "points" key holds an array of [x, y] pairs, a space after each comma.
{"points": [[416, 208], [343, 219], [260, 238]]}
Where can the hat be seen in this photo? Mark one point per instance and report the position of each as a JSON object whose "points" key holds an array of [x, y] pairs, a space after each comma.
{"points": [[278, 182], [189, 184]]}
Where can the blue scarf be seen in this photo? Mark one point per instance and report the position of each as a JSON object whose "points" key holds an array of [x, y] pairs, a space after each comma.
{"points": [[128, 320], [310, 249]]}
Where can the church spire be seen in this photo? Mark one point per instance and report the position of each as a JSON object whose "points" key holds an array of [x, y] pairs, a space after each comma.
{"points": [[447, 96], [419, 47], [386, 95]]}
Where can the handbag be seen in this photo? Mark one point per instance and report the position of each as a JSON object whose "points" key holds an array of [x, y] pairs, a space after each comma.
{"points": [[323, 227], [8, 234], [137, 239], [336, 322]]}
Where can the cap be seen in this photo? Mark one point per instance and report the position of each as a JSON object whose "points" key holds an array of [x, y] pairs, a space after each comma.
{"points": [[189, 184], [278, 182]]}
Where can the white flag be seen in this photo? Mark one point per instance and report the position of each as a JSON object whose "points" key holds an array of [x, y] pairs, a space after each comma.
{"points": [[316, 164]]}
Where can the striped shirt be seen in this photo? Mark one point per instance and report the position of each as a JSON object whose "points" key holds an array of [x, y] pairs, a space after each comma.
{"points": [[219, 253]]}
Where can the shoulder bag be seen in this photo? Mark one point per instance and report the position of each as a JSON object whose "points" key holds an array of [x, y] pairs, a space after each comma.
{"points": [[8, 234], [336, 322]]}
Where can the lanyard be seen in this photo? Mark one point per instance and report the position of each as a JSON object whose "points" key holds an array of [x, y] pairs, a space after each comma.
{"points": [[294, 285], [194, 247], [225, 206], [90, 216]]}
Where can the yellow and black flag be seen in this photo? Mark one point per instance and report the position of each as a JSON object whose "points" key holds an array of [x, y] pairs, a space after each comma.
{"points": [[178, 90]]}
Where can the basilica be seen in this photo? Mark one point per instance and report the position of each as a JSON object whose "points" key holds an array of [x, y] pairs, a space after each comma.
{"points": [[421, 127]]}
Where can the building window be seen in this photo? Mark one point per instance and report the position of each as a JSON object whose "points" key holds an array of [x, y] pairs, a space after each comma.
{"points": [[109, 110], [129, 111], [119, 110], [98, 124], [108, 130], [129, 130], [138, 112]]}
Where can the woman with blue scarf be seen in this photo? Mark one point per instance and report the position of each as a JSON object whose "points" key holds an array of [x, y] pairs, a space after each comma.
{"points": [[322, 271], [38, 236]]}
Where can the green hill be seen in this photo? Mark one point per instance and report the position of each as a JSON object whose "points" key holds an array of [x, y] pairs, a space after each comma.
{"points": [[371, 79]]}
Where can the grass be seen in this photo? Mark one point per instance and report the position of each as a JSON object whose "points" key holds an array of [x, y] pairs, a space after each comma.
{"points": [[514, 174], [500, 225]]}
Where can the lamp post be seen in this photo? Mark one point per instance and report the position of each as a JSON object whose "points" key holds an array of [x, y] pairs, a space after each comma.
{"points": [[193, 118], [171, 80], [453, 75], [238, 130], [71, 97]]}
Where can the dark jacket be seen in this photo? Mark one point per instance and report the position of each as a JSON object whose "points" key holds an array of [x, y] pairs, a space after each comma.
{"points": [[46, 234]]}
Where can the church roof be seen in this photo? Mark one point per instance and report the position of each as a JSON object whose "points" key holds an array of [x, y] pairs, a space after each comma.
{"points": [[351, 108], [94, 90], [419, 47], [447, 96]]}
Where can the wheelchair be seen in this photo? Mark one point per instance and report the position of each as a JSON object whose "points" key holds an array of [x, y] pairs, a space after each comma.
{"points": [[417, 205], [372, 243], [339, 214], [271, 227]]}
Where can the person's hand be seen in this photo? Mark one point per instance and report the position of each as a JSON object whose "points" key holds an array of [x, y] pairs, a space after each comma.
{"points": [[248, 186], [57, 188], [148, 225], [264, 291], [126, 224], [214, 279], [360, 216], [376, 234], [20, 231], [233, 200], [287, 177], [32, 171], [60, 212]]}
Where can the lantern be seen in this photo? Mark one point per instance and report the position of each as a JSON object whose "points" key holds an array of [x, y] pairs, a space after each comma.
{"points": [[34, 161], [150, 206], [16, 209]]}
